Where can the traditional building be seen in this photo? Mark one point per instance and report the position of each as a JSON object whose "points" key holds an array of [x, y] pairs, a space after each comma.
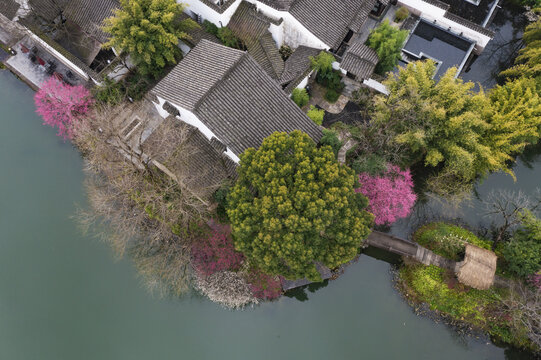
{"points": [[226, 94], [320, 24]]}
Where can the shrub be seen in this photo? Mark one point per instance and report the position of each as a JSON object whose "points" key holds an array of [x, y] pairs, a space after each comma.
{"points": [[401, 14], [227, 288], [447, 240], [210, 27], [285, 52], [110, 92], [387, 41], [300, 97], [227, 37], [316, 114], [216, 253], [331, 139], [522, 252], [371, 164], [390, 195], [331, 95], [264, 286], [220, 196]]}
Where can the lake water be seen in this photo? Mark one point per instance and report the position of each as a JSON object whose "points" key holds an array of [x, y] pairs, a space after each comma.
{"points": [[63, 296]]}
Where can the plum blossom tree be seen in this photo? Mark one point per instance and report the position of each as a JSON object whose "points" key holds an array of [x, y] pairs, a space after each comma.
{"points": [[390, 194], [216, 253], [264, 286], [61, 105]]}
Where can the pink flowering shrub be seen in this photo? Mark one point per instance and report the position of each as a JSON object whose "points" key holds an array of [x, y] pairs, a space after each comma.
{"points": [[264, 286], [216, 253], [61, 105], [390, 195]]}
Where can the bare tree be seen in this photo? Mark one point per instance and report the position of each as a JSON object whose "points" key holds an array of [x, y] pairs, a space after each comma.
{"points": [[524, 306], [505, 207], [153, 214]]}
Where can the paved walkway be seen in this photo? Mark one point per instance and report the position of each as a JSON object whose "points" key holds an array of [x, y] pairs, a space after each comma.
{"points": [[35, 71]]}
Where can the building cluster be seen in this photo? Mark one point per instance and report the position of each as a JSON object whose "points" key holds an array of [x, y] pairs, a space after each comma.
{"points": [[237, 98]]}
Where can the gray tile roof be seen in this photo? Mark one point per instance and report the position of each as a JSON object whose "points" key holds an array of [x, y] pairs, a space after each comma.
{"points": [[278, 4], [469, 24], [199, 71], [47, 9], [362, 15], [252, 28], [9, 8], [205, 165], [297, 66], [329, 20], [89, 15], [238, 102], [360, 60]]}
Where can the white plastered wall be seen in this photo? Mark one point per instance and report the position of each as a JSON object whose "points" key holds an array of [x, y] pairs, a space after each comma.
{"points": [[190, 118], [209, 14]]}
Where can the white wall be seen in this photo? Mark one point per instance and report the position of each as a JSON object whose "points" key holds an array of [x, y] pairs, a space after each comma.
{"points": [[209, 14], [430, 13], [294, 33], [190, 118]]}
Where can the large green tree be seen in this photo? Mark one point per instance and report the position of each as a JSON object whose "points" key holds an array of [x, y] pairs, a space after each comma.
{"points": [[458, 133], [387, 41], [149, 30], [294, 205]]}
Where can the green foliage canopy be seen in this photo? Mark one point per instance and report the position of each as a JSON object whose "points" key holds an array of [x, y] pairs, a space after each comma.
{"points": [[387, 41], [316, 115], [149, 31], [523, 252], [300, 97], [459, 133], [293, 205]]}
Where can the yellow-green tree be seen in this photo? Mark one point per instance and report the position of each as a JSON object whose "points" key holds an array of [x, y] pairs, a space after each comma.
{"points": [[294, 205], [516, 118], [441, 124], [528, 63], [149, 30]]}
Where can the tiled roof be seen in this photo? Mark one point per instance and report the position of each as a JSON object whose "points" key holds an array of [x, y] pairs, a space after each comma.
{"points": [[297, 66], [252, 28], [89, 15], [469, 24], [360, 60], [9, 8], [329, 20], [197, 73], [205, 167], [362, 15], [278, 4], [238, 102], [47, 9]]}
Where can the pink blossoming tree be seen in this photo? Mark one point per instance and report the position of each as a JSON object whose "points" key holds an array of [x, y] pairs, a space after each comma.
{"points": [[61, 105], [216, 253], [390, 194]]}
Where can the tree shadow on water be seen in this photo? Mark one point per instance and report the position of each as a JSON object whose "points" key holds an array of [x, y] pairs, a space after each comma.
{"points": [[301, 293]]}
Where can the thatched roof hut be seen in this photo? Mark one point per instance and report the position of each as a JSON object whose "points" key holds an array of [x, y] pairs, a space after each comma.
{"points": [[478, 268]]}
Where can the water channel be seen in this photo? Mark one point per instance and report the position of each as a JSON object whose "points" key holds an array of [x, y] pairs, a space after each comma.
{"points": [[63, 295]]}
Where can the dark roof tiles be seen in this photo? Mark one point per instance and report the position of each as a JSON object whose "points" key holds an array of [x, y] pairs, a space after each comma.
{"points": [[89, 16], [360, 60], [237, 101], [9, 8]]}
